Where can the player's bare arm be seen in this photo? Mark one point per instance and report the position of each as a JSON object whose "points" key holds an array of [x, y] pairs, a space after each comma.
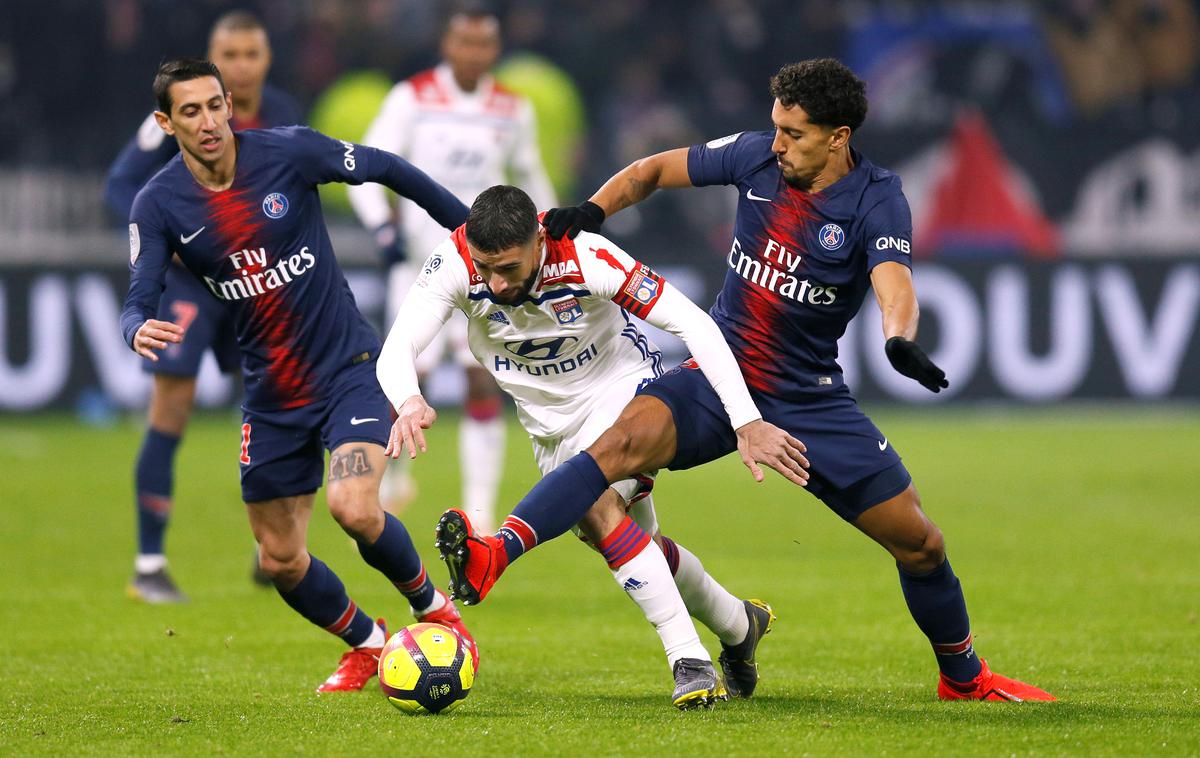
{"points": [[630, 186], [897, 299], [155, 335], [414, 416]]}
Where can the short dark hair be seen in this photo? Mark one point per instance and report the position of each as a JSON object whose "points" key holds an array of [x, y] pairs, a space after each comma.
{"points": [[471, 10], [826, 89], [501, 217], [181, 70], [237, 20]]}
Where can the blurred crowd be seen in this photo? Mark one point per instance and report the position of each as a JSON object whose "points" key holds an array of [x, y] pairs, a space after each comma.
{"points": [[1061, 85]]}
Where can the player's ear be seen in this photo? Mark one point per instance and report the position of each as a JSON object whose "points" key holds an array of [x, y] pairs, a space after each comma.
{"points": [[841, 137], [164, 122], [229, 104]]}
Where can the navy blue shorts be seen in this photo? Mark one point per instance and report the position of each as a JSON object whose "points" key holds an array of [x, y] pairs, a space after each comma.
{"points": [[206, 324], [852, 466], [283, 452]]}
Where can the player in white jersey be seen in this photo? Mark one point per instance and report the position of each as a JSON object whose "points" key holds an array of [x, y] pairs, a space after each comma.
{"points": [[460, 126], [559, 339]]}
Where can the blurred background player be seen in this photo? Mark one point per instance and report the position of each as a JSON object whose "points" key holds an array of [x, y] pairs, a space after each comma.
{"points": [[456, 123], [243, 214], [239, 46]]}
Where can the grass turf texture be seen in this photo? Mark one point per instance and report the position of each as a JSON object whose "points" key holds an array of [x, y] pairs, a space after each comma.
{"points": [[1075, 535]]}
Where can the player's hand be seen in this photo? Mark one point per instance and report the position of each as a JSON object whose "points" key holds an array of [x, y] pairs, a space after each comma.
{"points": [[412, 417], [909, 359], [760, 442], [585, 217], [154, 335], [390, 244]]}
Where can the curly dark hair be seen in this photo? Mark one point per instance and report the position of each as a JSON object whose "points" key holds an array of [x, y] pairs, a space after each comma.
{"points": [[826, 89], [501, 217]]}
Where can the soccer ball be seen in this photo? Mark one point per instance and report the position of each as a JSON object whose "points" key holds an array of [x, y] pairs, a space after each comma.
{"points": [[426, 668]]}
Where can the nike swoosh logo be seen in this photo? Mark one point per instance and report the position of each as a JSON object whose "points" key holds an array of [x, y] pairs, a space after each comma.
{"points": [[191, 236], [883, 445], [355, 420], [750, 194]]}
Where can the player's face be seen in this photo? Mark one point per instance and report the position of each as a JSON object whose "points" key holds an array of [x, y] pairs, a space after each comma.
{"points": [[803, 149], [199, 118], [243, 56], [471, 47], [510, 273]]}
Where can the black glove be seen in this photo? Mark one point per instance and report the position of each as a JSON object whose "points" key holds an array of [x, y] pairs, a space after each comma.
{"points": [[585, 217], [390, 244], [910, 360]]}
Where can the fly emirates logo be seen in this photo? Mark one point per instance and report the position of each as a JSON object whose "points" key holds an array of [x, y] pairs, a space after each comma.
{"points": [[776, 273], [253, 276]]}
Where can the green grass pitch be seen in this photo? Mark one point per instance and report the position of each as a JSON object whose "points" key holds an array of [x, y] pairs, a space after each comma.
{"points": [[1076, 535]]}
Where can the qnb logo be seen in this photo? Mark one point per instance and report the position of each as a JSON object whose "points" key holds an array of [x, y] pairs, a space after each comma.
{"points": [[548, 351], [254, 278], [894, 243], [545, 349], [348, 155]]}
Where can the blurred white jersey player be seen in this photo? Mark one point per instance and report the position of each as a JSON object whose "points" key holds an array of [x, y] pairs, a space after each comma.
{"points": [[551, 321], [460, 126]]}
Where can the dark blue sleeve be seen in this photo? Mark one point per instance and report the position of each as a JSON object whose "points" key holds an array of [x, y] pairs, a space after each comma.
{"points": [[322, 159], [887, 228], [149, 256], [728, 159], [144, 155]]}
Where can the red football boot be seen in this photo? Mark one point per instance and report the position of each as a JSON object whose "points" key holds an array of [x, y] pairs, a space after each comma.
{"points": [[449, 616], [475, 561], [989, 686], [356, 667]]}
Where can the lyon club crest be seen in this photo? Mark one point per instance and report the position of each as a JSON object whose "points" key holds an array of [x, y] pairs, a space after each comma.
{"points": [[568, 310], [275, 205], [831, 236]]}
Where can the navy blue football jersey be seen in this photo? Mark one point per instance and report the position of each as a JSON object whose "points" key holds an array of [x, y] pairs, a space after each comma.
{"points": [[800, 262], [262, 248], [151, 148]]}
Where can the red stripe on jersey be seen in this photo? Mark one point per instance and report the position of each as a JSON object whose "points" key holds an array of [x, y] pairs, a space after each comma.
{"points": [[459, 238], [427, 89], [641, 290], [501, 102], [561, 265]]}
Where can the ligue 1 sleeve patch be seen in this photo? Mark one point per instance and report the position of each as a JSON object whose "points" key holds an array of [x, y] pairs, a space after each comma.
{"points": [[721, 141], [135, 244], [641, 291]]}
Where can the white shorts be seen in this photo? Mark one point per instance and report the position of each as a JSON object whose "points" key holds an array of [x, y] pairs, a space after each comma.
{"points": [[451, 339], [594, 420]]}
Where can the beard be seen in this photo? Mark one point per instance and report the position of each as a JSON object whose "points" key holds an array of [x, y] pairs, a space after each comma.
{"points": [[521, 292]]}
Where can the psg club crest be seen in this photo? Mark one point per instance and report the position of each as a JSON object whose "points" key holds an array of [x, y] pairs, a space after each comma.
{"points": [[831, 236], [275, 205], [568, 310]]}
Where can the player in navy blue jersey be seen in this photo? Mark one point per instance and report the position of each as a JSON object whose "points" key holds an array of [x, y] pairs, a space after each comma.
{"points": [[817, 226], [243, 214], [239, 46]]}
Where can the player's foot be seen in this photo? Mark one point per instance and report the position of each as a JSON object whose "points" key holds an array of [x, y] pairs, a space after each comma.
{"points": [[475, 561], [989, 686], [737, 661], [257, 575], [155, 588], [449, 616], [696, 684], [356, 667]]}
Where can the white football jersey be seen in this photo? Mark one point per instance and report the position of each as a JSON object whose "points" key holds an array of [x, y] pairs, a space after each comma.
{"points": [[465, 141], [568, 340]]}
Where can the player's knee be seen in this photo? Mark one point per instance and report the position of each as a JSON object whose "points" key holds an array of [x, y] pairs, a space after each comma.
{"points": [[358, 515], [924, 554], [285, 566], [618, 452]]}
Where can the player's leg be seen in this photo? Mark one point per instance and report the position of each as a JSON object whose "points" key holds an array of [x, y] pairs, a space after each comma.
{"points": [[311, 588], [481, 446], [935, 599]]}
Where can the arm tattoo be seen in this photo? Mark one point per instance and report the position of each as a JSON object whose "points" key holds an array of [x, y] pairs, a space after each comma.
{"points": [[637, 190], [351, 463]]}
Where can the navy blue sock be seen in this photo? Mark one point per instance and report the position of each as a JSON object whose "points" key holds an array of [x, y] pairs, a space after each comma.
{"points": [[936, 603], [554, 505], [154, 479], [321, 598], [394, 556]]}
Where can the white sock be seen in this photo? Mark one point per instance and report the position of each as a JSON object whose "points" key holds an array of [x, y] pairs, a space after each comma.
{"points": [[481, 459], [646, 578], [439, 600], [148, 563], [708, 601], [377, 638]]}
